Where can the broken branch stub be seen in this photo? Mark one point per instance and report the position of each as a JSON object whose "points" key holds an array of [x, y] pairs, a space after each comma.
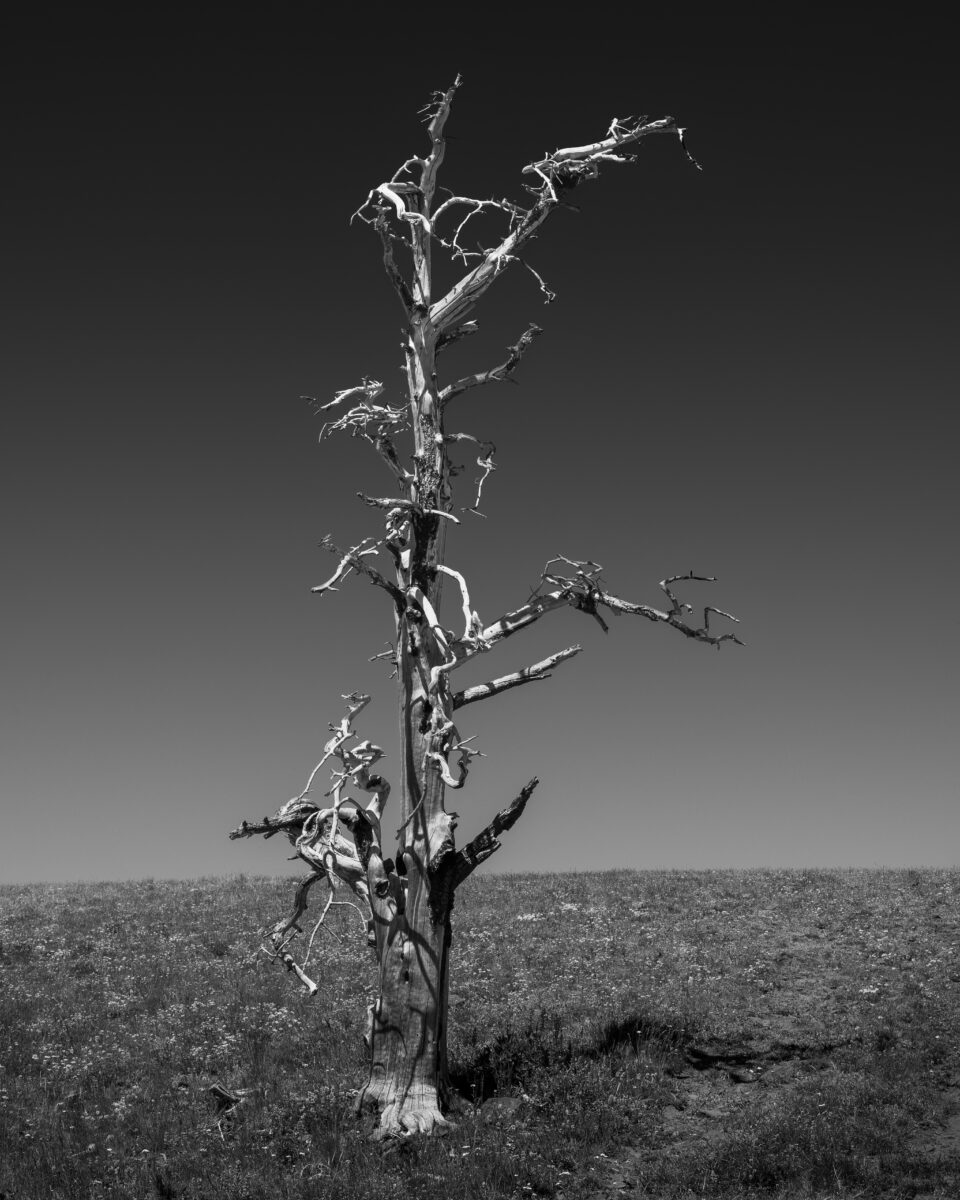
{"points": [[531, 674], [487, 840]]}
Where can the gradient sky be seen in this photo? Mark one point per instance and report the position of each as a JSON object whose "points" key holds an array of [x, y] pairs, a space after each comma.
{"points": [[746, 373]]}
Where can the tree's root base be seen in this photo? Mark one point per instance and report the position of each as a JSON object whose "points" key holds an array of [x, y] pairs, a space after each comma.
{"points": [[391, 1123], [429, 1122]]}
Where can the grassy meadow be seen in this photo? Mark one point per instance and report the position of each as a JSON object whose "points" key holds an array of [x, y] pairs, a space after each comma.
{"points": [[669, 1034]]}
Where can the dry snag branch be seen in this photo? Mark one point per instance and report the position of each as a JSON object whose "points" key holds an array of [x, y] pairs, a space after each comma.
{"points": [[407, 899]]}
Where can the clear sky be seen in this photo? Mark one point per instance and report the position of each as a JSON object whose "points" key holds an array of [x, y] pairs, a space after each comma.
{"points": [[750, 371]]}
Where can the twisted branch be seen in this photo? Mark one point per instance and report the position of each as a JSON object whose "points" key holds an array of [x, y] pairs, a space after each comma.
{"points": [[403, 505], [315, 832], [353, 560], [584, 591], [567, 167], [465, 754], [484, 461], [457, 251], [497, 374]]}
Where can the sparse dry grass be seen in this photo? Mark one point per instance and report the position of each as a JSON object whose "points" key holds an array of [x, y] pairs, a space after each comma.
{"points": [[682, 1034]]}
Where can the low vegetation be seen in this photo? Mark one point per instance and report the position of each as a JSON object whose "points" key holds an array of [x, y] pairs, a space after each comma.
{"points": [[768, 1033]]}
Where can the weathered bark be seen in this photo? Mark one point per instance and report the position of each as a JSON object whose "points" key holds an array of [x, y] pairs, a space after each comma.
{"points": [[408, 1068]]}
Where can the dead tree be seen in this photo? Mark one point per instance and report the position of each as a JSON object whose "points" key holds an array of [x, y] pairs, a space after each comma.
{"points": [[407, 900]]}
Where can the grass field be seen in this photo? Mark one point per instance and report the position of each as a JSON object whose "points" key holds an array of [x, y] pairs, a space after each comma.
{"points": [[671, 1034]]}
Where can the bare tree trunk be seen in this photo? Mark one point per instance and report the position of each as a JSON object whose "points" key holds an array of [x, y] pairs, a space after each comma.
{"points": [[408, 1068], [408, 1072]]}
